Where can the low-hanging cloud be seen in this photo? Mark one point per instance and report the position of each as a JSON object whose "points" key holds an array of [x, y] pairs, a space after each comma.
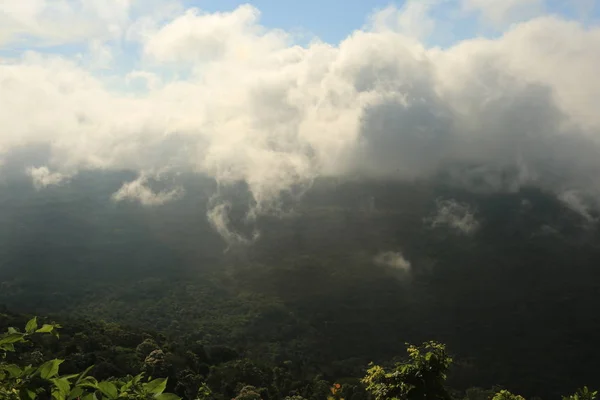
{"points": [[452, 214], [139, 191], [42, 177], [234, 100]]}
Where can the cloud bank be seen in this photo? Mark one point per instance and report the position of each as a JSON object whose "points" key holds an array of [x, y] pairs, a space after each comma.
{"points": [[221, 95]]}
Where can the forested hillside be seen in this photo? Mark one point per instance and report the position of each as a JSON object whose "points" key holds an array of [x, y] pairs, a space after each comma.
{"points": [[344, 276], [42, 361]]}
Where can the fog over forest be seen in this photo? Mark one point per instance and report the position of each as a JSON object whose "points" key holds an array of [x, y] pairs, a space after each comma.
{"points": [[234, 185]]}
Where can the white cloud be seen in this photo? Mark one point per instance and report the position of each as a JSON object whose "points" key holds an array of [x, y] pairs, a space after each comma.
{"points": [[139, 191], [62, 21], [218, 216], [42, 177], [455, 215], [203, 37], [413, 19], [393, 260], [99, 55], [234, 100]]}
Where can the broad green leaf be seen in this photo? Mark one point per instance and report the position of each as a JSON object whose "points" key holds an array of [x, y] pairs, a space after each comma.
{"points": [[168, 396], [12, 338], [31, 325], [57, 395], [75, 393], [7, 347], [91, 396], [156, 386], [12, 330], [49, 369], [46, 328], [13, 370], [63, 385], [108, 389]]}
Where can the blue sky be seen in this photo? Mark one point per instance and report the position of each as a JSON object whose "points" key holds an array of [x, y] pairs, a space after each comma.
{"points": [[334, 20], [331, 20]]}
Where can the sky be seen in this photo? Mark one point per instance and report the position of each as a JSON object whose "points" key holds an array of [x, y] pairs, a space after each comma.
{"points": [[334, 20], [497, 94]]}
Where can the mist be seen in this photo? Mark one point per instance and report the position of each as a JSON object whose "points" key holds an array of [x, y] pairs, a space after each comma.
{"points": [[221, 96]]}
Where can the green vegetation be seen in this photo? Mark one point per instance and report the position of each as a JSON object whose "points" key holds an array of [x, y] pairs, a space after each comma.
{"points": [[306, 305], [30, 382], [421, 376]]}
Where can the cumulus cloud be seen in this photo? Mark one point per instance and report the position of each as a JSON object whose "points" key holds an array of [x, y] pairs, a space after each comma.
{"points": [[42, 177], [394, 260], [413, 19], [455, 215], [62, 21], [139, 191], [203, 37], [224, 96]]}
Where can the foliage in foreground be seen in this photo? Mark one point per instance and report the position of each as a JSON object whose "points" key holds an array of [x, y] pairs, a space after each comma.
{"points": [[421, 376], [45, 382]]}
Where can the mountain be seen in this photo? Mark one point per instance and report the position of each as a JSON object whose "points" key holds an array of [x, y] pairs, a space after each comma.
{"points": [[332, 278]]}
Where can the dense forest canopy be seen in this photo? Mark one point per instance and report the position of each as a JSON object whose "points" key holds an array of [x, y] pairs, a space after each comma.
{"points": [[25, 376], [217, 206], [340, 278]]}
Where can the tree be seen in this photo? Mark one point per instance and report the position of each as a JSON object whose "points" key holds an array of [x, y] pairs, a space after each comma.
{"points": [[506, 395], [44, 381], [248, 393], [582, 394], [422, 376]]}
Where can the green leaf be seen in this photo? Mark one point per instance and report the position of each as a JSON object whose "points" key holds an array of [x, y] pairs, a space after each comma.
{"points": [[63, 385], [84, 374], [12, 330], [138, 378], [46, 328], [12, 338], [126, 386], [91, 396], [49, 369], [13, 370], [7, 347], [26, 394], [88, 381], [75, 393], [156, 386], [31, 325], [108, 389], [168, 396]]}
